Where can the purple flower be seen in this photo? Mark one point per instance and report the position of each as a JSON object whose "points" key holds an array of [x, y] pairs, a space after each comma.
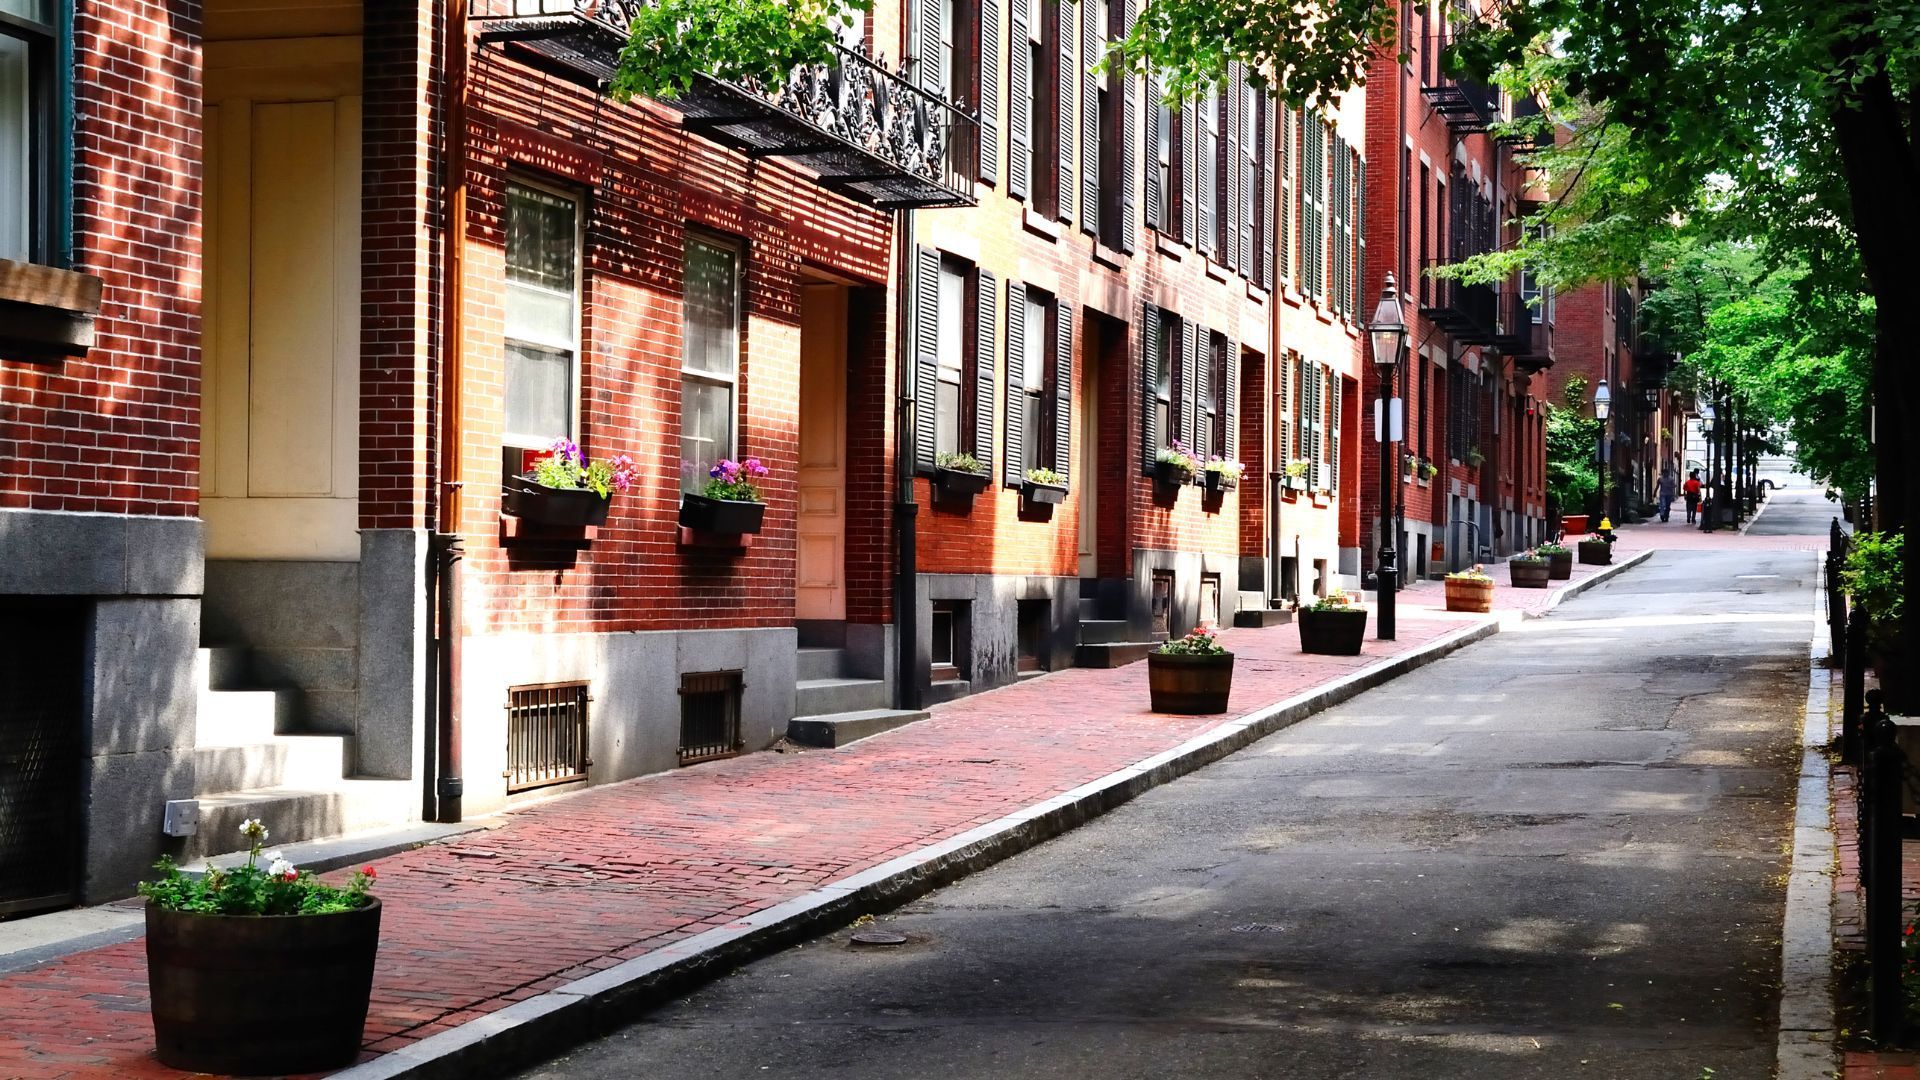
{"points": [[565, 449], [754, 468]]}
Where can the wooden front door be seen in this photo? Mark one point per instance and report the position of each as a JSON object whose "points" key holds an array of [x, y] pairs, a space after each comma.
{"points": [[820, 585]]}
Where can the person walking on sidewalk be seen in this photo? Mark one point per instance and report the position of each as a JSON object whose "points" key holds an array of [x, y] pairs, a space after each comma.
{"points": [[1666, 494], [1692, 492]]}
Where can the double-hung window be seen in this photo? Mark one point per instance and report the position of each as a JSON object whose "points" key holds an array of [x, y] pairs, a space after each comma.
{"points": [[1043, 122], [1217, 395], [1163, 162], [542, 314], [951, 414], [710, 363], [27, 137], [1170, 381], [1037, 382]]}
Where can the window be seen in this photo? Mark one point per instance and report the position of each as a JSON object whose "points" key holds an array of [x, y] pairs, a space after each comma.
{"points": [[1037, 375], [956, 65], [710, 364], [26, 130], [1539, 298], [546, 735], [1426, 217], [1217, 395], [1162, 603], [1163, 162], [1426, 410], [710, 716], [1043, 62], [1212, 209], [953, 415], [542, 313], [1251, 204], [1112, 137]]}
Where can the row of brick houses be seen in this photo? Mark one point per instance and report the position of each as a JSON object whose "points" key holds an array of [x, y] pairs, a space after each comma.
{"points": [[296, 286]]}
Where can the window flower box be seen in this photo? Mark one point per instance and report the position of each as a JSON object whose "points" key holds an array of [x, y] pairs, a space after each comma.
{"points": [[1172, 474], [561, 487], [1038, 494], [962, 482], [727, 516], [575, 508], [1220, 474]]}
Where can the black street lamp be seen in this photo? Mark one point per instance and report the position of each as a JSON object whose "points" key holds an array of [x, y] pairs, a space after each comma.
{"points": [[1602, 405], [1387, 333]]}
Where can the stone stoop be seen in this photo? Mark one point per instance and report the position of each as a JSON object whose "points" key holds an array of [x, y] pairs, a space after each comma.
{"points": [[833, 708], [248, 763]]}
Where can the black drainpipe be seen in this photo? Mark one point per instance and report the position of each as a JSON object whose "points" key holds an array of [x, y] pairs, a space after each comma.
{"points": [[906, 581]]}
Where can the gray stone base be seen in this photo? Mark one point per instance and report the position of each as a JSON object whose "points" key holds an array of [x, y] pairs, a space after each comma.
{"points": [[634, 678], [990, 650]]}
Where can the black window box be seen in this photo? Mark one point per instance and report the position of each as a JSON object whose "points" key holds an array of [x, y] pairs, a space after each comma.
{"points": [[960, 481], [1039, 494], [1166, 472], [572, 507], [1219, 481], [702, 514]]}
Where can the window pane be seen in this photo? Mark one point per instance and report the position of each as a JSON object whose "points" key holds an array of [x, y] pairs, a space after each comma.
{"points": [[541, 238], [1030, 448], [712, 309], [15, 139], [540, 315], [706, 428], [952, 316], [539, 392], [40, 11], [946, 418], [1033, 375]]}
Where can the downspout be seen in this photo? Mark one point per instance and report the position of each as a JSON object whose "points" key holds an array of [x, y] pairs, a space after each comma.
{"points": [[444, 581], [906, 581]]}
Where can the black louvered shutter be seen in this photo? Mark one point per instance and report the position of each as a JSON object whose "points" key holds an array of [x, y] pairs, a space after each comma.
{"points": [[1191, 337], [1066, 178], [1317, 133], [926, 43], [1250, 188], [1230, 165], [1091, 36], [1151, 346], [1333, 483], [985, 287], [1320, 372], [926, 355], [1206, 117], [1232, 418], [1337, 216], [1154, 196], [1189, 176], [1202, 393], [1130, 149], [987, 56], [1062, 386], [1360, 230], [1019, 102], [1279, 192], [1015, 409], [1283, 406]]}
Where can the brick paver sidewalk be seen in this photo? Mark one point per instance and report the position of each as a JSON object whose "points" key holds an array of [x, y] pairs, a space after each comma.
{"points": [[569, 887]]}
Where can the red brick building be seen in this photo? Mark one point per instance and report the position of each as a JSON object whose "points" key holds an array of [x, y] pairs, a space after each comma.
{"points": [[1472, 454]]}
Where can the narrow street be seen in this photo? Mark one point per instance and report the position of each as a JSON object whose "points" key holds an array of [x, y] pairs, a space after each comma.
{"points": [[1557, 853]]}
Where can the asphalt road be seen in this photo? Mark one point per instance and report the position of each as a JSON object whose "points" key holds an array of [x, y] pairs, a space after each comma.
{"points": [[1796, 512], [1558, 853]]}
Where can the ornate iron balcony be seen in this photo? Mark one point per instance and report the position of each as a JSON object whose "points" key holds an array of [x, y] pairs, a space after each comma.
{"points": [[1466, 312], [1467, 106], [866, 131]]}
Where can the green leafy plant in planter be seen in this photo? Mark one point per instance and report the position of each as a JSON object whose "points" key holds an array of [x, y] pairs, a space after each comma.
{"points": [[1874, 578], [1528, 571], [1474, 457], [1559, 560], [1470, 590], [1191, 676], [1222, 474], [1333, 626], [1044, 487], [730, 501], [565, 488], [1175, 464], [259, 969], [1428, 470], [957, 461], [959, 473]]}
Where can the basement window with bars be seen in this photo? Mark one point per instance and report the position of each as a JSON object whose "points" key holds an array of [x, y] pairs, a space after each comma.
{"points": [[710, 716], [546, 735]]}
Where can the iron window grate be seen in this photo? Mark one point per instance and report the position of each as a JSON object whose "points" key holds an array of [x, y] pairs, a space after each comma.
{"points": [[710, 716], [546, 735]]}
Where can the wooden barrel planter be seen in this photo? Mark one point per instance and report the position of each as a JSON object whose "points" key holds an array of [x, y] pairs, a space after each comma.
{"points": [[1528, 573], [1470, 594], [1332, 631], [1559, 565], [1189, 685], [1595, 552], [260, 995]]}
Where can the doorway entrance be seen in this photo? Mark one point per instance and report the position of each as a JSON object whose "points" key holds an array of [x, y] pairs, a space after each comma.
{"points": [[820, 580]]}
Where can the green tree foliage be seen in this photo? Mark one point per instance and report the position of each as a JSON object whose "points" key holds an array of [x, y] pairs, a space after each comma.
{"points": [[1573, 444], [757, 42]]}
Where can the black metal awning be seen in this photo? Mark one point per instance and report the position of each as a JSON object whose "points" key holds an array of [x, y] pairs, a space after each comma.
{"points": [[867, 133]]}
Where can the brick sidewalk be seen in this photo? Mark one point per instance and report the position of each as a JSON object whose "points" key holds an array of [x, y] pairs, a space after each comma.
{"points": [[563, 889]]}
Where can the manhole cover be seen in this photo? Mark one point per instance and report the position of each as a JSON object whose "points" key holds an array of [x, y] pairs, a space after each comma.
{"points": [[1259, 928], [878, 937]]}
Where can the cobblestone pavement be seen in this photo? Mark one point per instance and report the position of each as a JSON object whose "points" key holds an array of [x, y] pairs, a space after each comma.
{"points": [[568, 887]]}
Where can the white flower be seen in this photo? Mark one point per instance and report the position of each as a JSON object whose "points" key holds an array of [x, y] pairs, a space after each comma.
{"points": [[279, 867], [254, 829]]}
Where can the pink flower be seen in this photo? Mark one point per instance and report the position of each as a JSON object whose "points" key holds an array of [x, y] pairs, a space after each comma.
{"points": [[754, 468]]}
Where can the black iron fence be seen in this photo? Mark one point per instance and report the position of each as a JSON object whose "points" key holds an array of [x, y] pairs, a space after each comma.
{"points": [[547, 739]]}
